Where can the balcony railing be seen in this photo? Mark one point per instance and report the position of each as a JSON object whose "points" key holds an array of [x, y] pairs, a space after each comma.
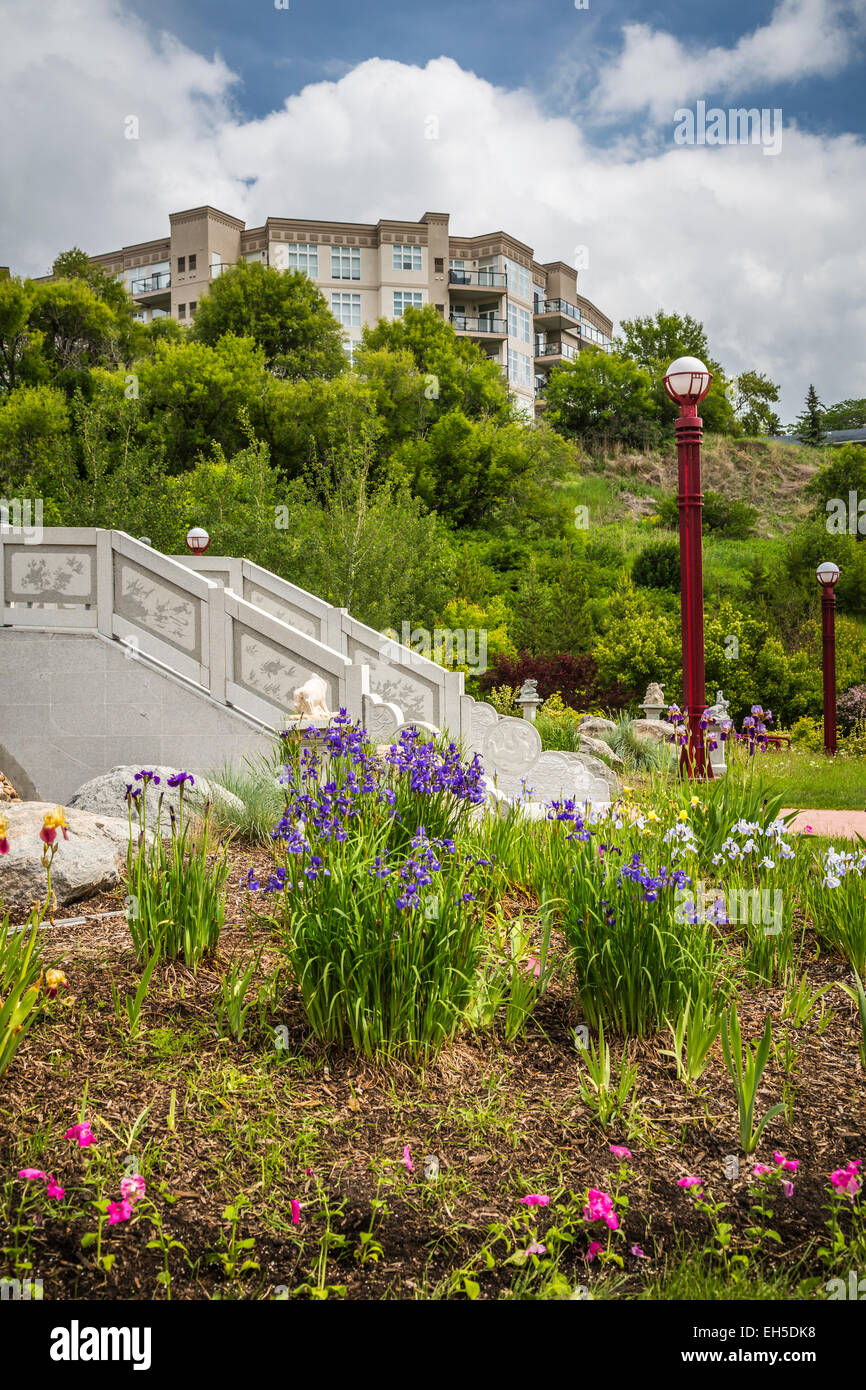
{"points": [[462, 323], [483, 279], [557, 349], [594, 335], [558, 306], [160, 281]]}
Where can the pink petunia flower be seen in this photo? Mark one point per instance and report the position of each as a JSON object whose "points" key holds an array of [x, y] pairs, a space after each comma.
{"points": [[54, 1189], [600, 1208], [690, 1181], [593, 1250], [33, 1175], [309, 1172], [761, 1170], [638, 1253], [846, 1179], [407, 1160], [535, 1199], [119, 1211], [789, 1164], [83, 1133], [619, 1151], [532, 966], [296, 1211], [134, 1188], [536, 1249], [788, 1188]]}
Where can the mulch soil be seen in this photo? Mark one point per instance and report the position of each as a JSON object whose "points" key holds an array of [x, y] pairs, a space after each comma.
{"points": [[503, 1120]]}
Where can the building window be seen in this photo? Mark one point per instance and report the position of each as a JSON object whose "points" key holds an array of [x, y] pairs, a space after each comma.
{"points": [[181, 264], [301, 256], [518, 279], [346, 309], [406, 299], [192, 306], [407, 258], [519, 368], [181, 311], [538, 293], [345, 263], [456, 263], [519, 323], [192, 262], [438, 264]]}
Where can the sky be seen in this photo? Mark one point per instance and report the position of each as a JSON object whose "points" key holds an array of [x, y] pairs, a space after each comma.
{"points": [[571, 125]]}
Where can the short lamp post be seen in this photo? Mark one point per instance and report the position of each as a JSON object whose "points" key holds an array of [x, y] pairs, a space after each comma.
{"points": [[687, 382], [197, 540], [827, 576]]}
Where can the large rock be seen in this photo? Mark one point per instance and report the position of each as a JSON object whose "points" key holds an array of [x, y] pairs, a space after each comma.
{"points": [[594, 724], [7, 791], [599, 749], [653, 728], [90, 860], [106, 795]]}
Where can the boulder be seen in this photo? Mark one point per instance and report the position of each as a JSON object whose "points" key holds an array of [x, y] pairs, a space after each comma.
{"points": [[106, 795], [7, 791], [658, 729], [90, 860], [594, 724], [599, 749]]}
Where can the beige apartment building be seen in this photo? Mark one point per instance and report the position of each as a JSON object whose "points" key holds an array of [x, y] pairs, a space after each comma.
{"points": [[525, 315]]}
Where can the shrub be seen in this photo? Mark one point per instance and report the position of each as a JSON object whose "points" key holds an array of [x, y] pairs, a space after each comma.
{"points": [[807, 733], [851, 708], [575, 678], [727, 516], [658, 566]]}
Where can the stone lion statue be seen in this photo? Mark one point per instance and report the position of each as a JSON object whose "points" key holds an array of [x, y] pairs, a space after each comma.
{"points": [[311, 699]]}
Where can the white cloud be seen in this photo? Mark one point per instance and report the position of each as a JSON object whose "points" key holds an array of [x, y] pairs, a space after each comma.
{"points": [[768, 253], [658, 72]]}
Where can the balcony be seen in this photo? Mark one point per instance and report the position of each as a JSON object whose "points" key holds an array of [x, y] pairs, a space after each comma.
{"points": [[591, 334], [150, 284], [557, 308], [478, 279], [488, 327], [557, 349]]}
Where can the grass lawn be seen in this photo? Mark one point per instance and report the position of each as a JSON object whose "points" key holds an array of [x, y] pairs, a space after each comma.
{"points": [[813, 781]]}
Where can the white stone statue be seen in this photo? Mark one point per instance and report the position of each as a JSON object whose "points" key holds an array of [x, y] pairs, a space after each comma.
{"points": [[654, 694], [311, 699]]}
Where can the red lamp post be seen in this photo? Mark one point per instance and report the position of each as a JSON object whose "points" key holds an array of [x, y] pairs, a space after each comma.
{"points": [[828, 577], [686, 383]]}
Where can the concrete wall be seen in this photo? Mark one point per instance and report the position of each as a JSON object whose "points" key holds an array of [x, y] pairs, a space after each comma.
{"points": [[75, 705]]}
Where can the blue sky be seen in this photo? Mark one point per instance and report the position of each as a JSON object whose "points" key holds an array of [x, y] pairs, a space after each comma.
{"points": [[513, 43], [552, 123]]}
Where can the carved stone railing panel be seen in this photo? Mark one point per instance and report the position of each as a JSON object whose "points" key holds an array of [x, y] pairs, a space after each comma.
{"points": [[56, 576], [158, 606]]}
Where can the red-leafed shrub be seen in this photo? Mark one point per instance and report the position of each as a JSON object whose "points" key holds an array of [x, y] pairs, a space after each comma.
{"points": [[575, 678]]}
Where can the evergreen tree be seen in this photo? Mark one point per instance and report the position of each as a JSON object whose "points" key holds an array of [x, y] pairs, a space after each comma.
{"points": [[808, 427]]}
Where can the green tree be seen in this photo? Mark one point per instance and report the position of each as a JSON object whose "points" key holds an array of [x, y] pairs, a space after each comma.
{"points": [[846, 415], [79, 331], [832, 487], [602, 398], [808, 426], [283, 312], [21, 360], [655, 341], [482, 472], [640, 643], [456, 373], [372, 549], [34, 428], [754, 393]]}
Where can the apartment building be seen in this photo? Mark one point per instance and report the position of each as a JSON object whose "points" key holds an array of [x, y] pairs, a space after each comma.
{"points": [[524, 314]]}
